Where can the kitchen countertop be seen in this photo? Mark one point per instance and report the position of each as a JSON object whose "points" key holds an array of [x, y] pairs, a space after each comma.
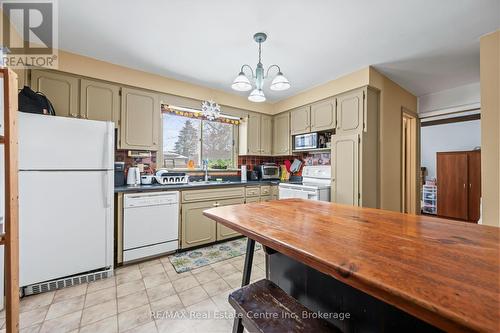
{"points": [[194, 185], [442, 271]]}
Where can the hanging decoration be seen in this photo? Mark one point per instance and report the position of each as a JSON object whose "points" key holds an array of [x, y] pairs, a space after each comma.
{"points": [[198, 114]]}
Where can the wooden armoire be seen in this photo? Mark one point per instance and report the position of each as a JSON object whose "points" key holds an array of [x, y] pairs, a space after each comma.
{"points": [[459, 185]]}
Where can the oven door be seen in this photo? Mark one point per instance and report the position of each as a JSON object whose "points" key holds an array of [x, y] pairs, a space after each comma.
{"points": [[306, 141]]}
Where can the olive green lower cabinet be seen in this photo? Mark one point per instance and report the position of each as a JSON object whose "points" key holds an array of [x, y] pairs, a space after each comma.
{"points": [[197, 229]]}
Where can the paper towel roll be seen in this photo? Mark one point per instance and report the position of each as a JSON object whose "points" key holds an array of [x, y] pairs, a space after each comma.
{"points": [[243, 173]]}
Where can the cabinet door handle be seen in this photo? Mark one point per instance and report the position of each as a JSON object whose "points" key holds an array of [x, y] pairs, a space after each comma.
{"points": [[216, 204]]}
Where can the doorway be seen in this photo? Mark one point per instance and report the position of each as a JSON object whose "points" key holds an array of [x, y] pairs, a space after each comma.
{"points": [[409, 162]]}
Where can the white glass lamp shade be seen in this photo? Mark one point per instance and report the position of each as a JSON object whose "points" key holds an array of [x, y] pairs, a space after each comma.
{"points": [[280, 82], [241, 83], [257, 95]]}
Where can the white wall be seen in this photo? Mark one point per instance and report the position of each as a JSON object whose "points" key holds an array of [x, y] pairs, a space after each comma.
{"points": [[463, 98], [447, 137]]}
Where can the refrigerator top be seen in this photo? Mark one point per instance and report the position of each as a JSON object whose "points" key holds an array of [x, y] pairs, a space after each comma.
{"points": [[60, 143]]}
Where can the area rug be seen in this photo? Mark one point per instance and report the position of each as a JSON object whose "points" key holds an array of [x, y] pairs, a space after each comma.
{"points": [[186, 261]]}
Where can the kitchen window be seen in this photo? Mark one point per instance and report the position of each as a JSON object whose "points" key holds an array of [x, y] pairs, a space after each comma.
{"points": [[189, 140]]}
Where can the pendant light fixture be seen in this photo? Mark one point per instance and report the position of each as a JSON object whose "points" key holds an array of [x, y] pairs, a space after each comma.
{"points": [[242, 82]]}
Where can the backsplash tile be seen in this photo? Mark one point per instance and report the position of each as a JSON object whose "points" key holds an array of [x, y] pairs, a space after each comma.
{"points": [[149, 162]]}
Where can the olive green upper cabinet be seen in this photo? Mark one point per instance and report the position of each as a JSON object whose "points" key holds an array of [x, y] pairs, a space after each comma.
{"points": [[61, 89], [266, 135], [350, 112], [255, 135], [300, 120], [99, 101], [323, 115], [140, 120], [281, 134]]}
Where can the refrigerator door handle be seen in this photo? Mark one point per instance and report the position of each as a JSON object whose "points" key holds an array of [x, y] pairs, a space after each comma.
{"points": [[108, 147], [106, 189]]}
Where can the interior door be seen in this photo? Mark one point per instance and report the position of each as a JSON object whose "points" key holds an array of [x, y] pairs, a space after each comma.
{"points": [[345, 169], [61, 235], [474, 176], [452, 185]]}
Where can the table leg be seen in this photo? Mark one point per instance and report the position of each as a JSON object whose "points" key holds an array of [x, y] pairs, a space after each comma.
{"points": [[247, 271]]}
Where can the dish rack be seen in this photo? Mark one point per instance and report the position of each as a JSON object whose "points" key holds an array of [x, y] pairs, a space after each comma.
{"points": [[170, 178]]}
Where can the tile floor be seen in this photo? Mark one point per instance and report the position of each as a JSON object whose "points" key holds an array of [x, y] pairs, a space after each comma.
{"points": [[138, 299]]}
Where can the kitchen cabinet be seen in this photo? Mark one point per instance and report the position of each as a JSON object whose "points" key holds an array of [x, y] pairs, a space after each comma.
{"points": [[459, 185], [213, 194], [323, 115], [197, 229], [224, 232], [266, 135], [140, 120], [99, 101], [61, 89], [255, 135], [266, 198], [281, 135], [350, 112], [355, 160], [252, 191], [252, 199], [317, 117], [345, 170], [300, 120], [275, 192]]}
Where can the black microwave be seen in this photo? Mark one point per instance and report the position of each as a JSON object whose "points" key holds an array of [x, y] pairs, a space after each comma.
{"points": [[305, 141]]}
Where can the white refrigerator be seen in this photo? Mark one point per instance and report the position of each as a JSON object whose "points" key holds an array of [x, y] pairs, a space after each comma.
{"points": [[66, 186]]}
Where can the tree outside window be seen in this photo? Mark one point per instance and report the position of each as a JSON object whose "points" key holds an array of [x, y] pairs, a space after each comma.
{"points": [[186, 139]]}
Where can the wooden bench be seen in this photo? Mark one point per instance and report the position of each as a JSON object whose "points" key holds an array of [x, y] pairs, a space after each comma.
{"points": [[264, 307]]}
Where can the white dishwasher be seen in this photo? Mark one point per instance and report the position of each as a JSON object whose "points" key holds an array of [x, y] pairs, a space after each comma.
{"points": [[150, 224]]}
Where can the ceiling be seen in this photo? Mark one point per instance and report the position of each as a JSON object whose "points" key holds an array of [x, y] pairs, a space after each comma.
{"points": [[424, 45]]}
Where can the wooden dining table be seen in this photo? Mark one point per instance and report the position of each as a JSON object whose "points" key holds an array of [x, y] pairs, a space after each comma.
{"points": [[442, 272]]}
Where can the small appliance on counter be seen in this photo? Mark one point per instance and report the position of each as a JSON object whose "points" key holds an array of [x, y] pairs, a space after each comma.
{"points": [[147, 179], [119, 174], [133, 176], [269, 171], [252, 175], [165, 177]]}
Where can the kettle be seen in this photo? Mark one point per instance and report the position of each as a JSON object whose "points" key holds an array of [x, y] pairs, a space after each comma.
{"points": [[133, 176]]}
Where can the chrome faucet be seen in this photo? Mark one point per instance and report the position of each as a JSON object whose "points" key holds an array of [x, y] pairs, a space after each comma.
{"points": [[205, 168]]}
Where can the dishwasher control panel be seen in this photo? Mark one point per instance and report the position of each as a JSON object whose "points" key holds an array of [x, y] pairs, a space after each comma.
{"points": [[150, 199]]}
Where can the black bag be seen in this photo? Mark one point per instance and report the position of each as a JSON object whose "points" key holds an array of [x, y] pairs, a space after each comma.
{"points": [[34, 102]]}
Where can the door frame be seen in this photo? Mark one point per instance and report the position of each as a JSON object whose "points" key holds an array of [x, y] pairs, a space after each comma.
{"points": [[410, 161]]}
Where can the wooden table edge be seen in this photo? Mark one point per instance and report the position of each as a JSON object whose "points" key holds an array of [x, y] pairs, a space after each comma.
{"points": [[421, 310]]}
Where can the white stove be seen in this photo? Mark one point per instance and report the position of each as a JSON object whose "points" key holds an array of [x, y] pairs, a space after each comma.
{"points": [[316, 184]]}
